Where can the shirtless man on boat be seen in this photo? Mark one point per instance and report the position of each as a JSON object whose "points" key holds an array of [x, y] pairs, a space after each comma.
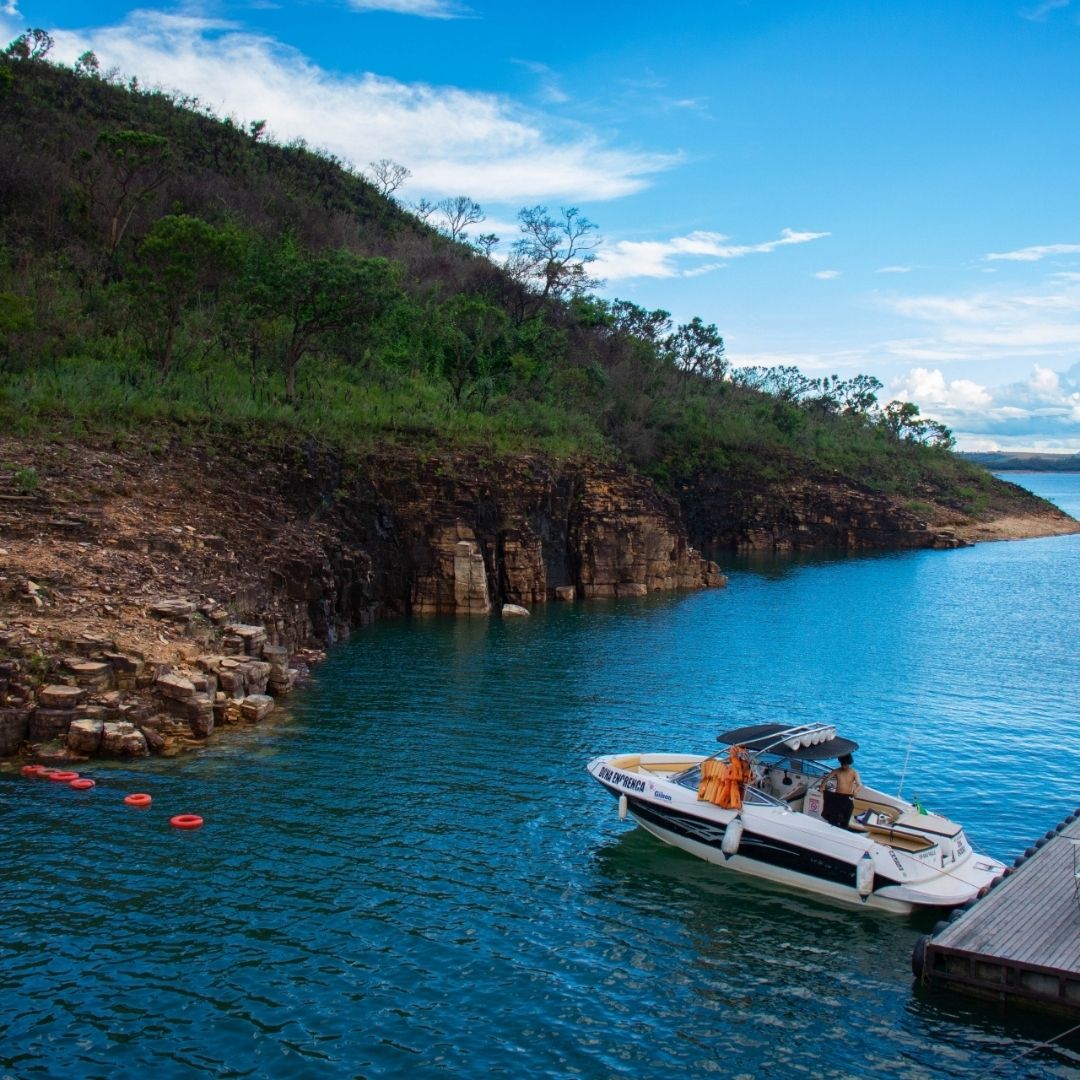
{"points": [[840, 803]]}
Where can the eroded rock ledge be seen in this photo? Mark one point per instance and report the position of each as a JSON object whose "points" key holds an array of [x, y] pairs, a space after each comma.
{"points": [[810, 512], [147, 599]]}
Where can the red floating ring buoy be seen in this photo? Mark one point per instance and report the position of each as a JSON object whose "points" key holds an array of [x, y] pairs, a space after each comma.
{"points": [[138, 799], [32, 770], [186, 821], [63, 777], [82, 784]]}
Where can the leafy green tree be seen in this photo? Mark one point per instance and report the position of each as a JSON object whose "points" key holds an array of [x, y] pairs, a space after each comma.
{"points": [[181, 260], [786, 382], [32, 45], [902, 420], [632, 320], [859, 394], [316, 300], [697, 349], [88, 65], [474, 338]]}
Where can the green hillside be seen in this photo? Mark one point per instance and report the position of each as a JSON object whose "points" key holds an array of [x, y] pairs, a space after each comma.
{"points": [[162, 266]]}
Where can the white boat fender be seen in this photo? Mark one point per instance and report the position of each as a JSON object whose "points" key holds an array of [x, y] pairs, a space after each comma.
{"points": [[622, 807], [732, 836], [864, 875]]}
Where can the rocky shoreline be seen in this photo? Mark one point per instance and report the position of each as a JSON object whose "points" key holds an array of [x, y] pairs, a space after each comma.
{"points": [[152, 595], [106, 703], [146, 600]]}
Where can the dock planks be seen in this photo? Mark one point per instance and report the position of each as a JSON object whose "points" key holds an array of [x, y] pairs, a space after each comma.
{"points": [[1021, 941]]}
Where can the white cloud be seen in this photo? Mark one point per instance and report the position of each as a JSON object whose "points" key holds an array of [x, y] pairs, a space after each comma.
{"points": [[1035, 253], [550, 90], [808, 362], [895, 270], [429, 9], [931, 391], [705, 268], [1041, 412], [1045, 383], [1041, 10], [452, 140], [9, 7], [666, 258], [1041, 322], [826, 275]]}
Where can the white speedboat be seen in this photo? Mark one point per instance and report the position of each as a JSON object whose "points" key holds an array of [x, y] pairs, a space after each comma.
{"points": [[763, 816]]}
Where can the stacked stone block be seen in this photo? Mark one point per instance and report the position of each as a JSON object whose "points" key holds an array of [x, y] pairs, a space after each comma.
{"points": [[282, 677], [182, 699], [242, 639], [55, 712]]}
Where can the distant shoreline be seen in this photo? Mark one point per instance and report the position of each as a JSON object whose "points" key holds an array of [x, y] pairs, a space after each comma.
{"points": [[1022, 461]]}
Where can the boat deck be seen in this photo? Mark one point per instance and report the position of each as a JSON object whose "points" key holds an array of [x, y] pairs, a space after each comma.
{"points": [[1020, 942]]}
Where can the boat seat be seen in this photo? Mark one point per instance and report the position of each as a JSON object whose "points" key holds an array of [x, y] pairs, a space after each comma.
{"points": [[892, 838]]}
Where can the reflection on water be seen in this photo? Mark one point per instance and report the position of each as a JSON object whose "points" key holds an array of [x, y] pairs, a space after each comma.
{"points": [[415, 874]]}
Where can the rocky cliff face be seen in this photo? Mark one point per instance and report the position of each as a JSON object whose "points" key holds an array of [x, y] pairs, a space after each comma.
{"points": [[734, 513], [534, 535], [163, 590]]}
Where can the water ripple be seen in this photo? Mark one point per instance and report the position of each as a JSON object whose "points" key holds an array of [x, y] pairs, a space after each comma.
{"points": [[413, 873]]}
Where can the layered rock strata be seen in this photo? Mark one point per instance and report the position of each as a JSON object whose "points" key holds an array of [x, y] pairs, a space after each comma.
{"points": [[182, 591], [733, 513]]}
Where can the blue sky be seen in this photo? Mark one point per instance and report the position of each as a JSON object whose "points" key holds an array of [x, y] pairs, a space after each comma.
{"points": [[842, 185]]}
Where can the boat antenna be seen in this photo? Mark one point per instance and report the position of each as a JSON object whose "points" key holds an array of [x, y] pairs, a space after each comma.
{"points": [[907, 758]]}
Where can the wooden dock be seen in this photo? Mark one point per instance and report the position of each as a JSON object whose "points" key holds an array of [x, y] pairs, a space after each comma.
{"points": [[1021, 941]]}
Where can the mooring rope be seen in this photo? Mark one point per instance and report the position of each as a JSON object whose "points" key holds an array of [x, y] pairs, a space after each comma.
{"points": [[1032, 1049]]}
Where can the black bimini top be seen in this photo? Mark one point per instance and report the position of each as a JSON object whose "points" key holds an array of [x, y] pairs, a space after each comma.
{"points": [[759, 737]]}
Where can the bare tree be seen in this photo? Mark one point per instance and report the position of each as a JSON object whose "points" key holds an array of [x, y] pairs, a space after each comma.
{"points": [[423, 209], [553, 254], [386, 176], [459, 212], [485, 243]]}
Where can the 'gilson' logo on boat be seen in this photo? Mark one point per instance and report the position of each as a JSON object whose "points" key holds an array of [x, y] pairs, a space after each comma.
{"points": [[658, 794], [631, 783]]}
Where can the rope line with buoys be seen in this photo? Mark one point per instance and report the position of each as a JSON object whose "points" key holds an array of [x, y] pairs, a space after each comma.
{"points": [[84, 783]]}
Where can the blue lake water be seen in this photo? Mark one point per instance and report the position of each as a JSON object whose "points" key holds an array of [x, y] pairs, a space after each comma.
{"points": [[412, 873]]}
